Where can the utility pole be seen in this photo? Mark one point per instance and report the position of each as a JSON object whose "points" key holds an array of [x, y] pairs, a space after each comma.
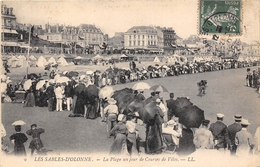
{"points": [[27, 69]]}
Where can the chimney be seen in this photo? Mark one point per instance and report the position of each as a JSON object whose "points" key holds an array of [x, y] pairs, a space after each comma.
{"points": [[11, 11]]}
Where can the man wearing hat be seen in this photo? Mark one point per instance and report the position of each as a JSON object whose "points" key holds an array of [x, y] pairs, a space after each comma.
{"points": [[139, 96], [233, 129], [220, 133], [244, 140], [203, 138], [172, 106], [51, 95], [111, 112]]}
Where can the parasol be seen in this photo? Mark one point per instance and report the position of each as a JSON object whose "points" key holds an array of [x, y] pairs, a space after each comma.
{"points": [[27, 84], [191, 116], [158, 88], [92, 90], [19, 122], [62, 79], [141, 85], [106, 92], [29, 76], [89, 72], [149, 111], [183, 102], [40, 84], [72, 74]]}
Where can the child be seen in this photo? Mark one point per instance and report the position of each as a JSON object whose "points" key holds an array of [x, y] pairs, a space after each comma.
{"points": [[120, 133], [19, 139], [36, 142], [132, 133]]}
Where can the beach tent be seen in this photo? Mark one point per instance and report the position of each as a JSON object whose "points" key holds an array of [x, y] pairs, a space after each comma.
{"points": [[10, 60], [97, 57], [22, 62], [62, 62], [41, 62], [78, 58], [156, 60], [32, 58], [14, 63], [172, 59], [52, 61]]}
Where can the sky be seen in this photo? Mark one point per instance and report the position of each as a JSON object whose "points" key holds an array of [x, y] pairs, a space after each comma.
{"points": [[120, 15]]}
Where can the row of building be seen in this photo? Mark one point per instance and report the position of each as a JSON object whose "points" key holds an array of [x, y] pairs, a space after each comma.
{"points": [[140, 39]]}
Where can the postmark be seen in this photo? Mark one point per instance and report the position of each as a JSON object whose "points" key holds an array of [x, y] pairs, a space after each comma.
{"points": [[220, 17]]}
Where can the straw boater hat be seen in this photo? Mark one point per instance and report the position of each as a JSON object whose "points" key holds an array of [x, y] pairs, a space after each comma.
{"points": [[111, 101], [244, 122], [238, 117], [220, 115]]}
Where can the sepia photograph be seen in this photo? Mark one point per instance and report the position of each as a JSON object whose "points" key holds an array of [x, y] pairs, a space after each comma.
{"points": [[130, 83]]}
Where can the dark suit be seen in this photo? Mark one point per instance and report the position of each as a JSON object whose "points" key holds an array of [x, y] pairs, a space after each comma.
{"points": [[233, 129], [220, 133], [172, 107]]}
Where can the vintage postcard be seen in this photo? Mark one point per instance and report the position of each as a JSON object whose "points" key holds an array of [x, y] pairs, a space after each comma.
{"points": [[130, 83]]}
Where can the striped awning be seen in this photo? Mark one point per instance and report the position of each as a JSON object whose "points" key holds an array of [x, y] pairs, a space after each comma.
{"points": [[10, 44], [9, 31]]}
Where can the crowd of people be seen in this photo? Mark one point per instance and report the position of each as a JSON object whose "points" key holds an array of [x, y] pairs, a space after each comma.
{"points": [[233, 138], [80, 95]]}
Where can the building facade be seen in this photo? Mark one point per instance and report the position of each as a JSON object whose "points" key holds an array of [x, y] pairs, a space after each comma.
{"points": [[142, 37], [166, 38], [9, 35]]}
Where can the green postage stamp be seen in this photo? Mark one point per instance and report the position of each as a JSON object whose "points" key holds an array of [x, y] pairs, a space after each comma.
{"points": [[220, 17]]}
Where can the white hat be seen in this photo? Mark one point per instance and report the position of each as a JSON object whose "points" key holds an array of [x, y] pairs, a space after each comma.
{"points": [[238, 117], [158, 100], [244, 122], [220, 115], [111, 101], [120, 117]]}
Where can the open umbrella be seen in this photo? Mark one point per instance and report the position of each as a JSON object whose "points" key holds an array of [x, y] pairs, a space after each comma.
{"points": [[19, 122], [183, 102], [191, 116], [92, 90], [141, 85], [149, 111], [27, 84], [40, 84], [62, 79], [89, 72], [29, 76], [138, 107], [158, 88], [106, 92], [72, 74]]}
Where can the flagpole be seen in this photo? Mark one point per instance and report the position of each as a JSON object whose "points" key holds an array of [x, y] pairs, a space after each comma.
{"points": [[27, 69]]}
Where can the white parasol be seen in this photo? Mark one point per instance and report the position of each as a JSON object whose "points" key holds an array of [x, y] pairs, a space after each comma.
{"points": [[27, 84], [141, 86], [106, 92], [40, 84], [19, 122]]}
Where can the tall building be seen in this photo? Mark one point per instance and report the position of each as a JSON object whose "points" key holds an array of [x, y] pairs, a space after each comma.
{"points": [[141, 37], [9, 36], [166, 38], [84, 34]]}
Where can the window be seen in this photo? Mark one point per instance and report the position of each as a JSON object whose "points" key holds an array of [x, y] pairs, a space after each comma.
{"points": [[143, 36], [138, 36], [134, 43], [129, 36], [138, 43], [143, 43], [130, 43]]}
